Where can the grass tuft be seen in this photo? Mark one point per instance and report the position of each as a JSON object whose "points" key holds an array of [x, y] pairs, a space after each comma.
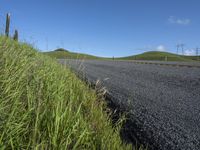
{"points": [[44, 106]]}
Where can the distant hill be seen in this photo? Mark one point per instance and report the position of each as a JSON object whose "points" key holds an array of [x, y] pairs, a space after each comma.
{"points": [[65, 54], [160, 56], [152, 55]]}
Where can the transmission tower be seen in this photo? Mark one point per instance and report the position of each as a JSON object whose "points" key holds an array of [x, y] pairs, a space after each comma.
{"points": [[177, 47], [197, 51], [182, 48]]}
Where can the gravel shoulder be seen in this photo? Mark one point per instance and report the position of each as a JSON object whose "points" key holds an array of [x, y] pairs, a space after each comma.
{"points": [[163, 100]]}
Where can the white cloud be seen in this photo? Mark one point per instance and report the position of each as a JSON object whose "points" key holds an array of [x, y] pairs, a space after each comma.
{"points": [[161, 48], [174, 20], [189, 52]]}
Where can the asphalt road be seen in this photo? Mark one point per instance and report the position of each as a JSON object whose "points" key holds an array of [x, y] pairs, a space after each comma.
{"points": [[163, 101]]}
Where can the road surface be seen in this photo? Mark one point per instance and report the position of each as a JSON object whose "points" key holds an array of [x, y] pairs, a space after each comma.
{"points": [[162, 100]]}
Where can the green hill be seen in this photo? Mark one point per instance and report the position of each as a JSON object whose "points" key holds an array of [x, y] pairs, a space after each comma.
{"points": [[160, 56], [65, 54], [152, 55]]}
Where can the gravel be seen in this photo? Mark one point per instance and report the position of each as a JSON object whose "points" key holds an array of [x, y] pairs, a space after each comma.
{"points": [[163, 101]]}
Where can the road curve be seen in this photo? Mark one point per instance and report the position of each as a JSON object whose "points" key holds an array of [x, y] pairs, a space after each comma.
{"points": [[163, 100]]}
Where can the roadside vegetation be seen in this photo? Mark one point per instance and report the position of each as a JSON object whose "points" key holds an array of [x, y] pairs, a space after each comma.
{"points": [[43, 105]]}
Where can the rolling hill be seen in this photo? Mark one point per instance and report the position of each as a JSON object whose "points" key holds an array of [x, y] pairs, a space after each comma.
{"points": [[152, 55], [65, 54], [159, 56]]}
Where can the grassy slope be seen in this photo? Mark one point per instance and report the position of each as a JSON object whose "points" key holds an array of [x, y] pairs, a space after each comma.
{"points": [[154, 55], [63, 54], [44, 106]]}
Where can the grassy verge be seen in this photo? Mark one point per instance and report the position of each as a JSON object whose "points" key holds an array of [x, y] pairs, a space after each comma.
{"points": [[44, 106]]}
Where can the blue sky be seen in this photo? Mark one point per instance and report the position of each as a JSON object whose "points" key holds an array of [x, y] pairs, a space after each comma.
{"points": [[105, 27]]}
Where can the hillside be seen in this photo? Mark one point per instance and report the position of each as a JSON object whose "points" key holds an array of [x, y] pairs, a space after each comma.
{"points": [[65, 54], [160, 56], [152, 55]]}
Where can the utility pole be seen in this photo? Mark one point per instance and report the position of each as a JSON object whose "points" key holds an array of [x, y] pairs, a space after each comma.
{"points": [[177, 46], [62, 43], [197, 51], [182, 48], [16, 36], [7, 25]]}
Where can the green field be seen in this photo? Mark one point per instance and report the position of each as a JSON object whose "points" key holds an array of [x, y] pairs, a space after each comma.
{"points": [[43, 105], [160, 56]]}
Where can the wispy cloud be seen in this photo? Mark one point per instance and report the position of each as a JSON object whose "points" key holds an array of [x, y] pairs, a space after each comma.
{"points": [[180, 21], [161, 48], [189, 52], [153, 48]]}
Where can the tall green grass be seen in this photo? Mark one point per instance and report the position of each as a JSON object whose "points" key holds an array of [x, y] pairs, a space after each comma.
{"points": [[44, 106]]}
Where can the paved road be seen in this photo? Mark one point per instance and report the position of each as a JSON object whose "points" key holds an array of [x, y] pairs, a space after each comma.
{"points": [[195, 64], [164, 101]]}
